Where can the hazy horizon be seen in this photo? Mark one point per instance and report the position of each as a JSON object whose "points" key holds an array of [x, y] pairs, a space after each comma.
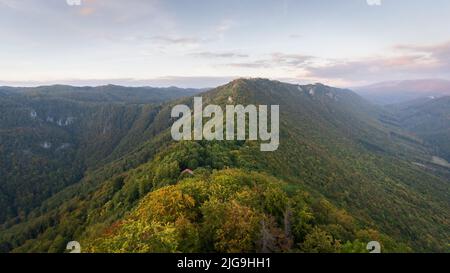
{"points": [[161, 84]]}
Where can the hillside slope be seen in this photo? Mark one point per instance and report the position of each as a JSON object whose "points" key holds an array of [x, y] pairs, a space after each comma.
{"points": [[429, 119], [49, 136], [357, 169]]}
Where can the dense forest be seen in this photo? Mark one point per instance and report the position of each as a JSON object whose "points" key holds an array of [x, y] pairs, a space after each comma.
{"points": [[49, 136], [428, 118], [346, 173]]}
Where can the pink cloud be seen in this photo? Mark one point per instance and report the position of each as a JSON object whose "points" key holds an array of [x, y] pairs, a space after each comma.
{"points": [[400, 62], [87, 11]]}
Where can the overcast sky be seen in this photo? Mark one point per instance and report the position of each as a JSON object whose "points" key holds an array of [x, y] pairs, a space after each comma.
{"points": [[204, 43]]}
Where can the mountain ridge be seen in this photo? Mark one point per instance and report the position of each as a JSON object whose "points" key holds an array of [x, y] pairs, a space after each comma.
{"points": [[338, 150], [402, 91]]}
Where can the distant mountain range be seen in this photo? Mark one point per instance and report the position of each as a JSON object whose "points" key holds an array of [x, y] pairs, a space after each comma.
{"points": [[402, 91], [106, 93], [101, 168]]}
